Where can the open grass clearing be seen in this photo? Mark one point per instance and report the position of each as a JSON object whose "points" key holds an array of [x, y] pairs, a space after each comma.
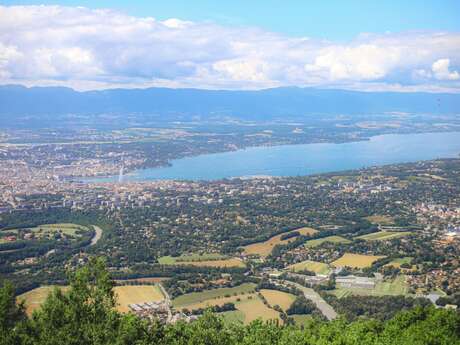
{"points": [[356, 260], [275, 297], [301, 320], [395, 287], [199, 297], [233, 316], [330, 239], [33, 299], [265, 248], [206, 260], [254, 309], [220, 301], [314, 266], [143, 280], [383, 235], [399, 261], [380, 219], [130, 294], [49, 230]]}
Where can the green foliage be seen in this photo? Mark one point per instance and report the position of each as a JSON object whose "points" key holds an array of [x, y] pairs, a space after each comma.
{"points": [[84, 315]]}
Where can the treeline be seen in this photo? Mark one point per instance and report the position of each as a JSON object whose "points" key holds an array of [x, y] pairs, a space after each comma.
{"points": [[377, 307], [85, 315]]}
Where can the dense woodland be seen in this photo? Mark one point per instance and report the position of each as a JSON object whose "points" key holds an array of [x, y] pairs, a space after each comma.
{"points": [[85, 315]]}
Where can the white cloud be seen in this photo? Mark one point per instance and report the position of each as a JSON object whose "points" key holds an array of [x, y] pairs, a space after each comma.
{"points": [[441, 71], [86, 49]]}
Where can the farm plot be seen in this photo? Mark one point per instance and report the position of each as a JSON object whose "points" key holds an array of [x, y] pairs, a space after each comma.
{"points": [[254, 309], [356, 260], [331, 239], [275, 297], [314, 266], [130, 294], [383, 235], [199, 297], [265, 248]]}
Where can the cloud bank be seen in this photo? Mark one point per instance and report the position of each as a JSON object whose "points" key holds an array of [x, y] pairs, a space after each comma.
{"points": [[93, 49]]}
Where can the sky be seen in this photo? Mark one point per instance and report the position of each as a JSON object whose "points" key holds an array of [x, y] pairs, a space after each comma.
{"points": [[365, 45]]}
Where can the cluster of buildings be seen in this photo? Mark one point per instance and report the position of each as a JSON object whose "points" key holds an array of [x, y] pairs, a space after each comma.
{"points": [[160, 310]]}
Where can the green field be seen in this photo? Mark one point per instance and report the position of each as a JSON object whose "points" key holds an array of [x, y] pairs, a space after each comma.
{"points": [[233, 316], [169, 260], [314, 266], [399, 261], [331, 239], [394, 287], [198, 297], [49, 230], [301, 320], [383, 235]]}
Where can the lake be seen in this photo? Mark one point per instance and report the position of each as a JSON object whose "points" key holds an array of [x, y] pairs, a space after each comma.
{"points": [[294, 160]]}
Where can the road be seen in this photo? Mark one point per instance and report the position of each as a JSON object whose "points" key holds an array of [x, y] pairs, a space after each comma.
{"points": [[97, 236], [312, 295]]}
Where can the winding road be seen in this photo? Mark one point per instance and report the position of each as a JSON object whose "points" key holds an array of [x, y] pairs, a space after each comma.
{"points": [[313, 296], [97, 236]]}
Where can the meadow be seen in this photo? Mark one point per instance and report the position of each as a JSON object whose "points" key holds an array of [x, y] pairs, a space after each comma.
{"points": [[314, 266], [202, 260], [199, 297], [399, 261], [125, 295], [356, 260], [130, 294], [394, 287], [380, 219], [383, 235], [265, 248], [331, 239], [33, 299], [49, 230], [275, 297]]}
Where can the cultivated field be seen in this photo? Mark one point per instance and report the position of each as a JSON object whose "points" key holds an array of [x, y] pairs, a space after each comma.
{"points": [[331, 239], [380, 219], [274, 297], [254, 309], [136, 294], [397, 286], [33, 299], [314, 266], [265, 248], [356, 260], [205, 260], [199, 297], [383, 235]]}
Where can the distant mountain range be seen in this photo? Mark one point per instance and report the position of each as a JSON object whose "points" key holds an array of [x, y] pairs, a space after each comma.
{"points": [[18, 101]]}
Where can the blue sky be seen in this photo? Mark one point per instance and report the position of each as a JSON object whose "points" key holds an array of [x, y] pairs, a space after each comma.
{"points": [[361, 45], [332, 19]]}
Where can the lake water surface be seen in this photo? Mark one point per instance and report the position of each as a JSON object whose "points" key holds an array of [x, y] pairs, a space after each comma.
{"points": [[293, 160]]}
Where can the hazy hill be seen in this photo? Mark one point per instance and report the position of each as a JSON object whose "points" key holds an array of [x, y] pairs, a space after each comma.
{"points": [[170, 103]]}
